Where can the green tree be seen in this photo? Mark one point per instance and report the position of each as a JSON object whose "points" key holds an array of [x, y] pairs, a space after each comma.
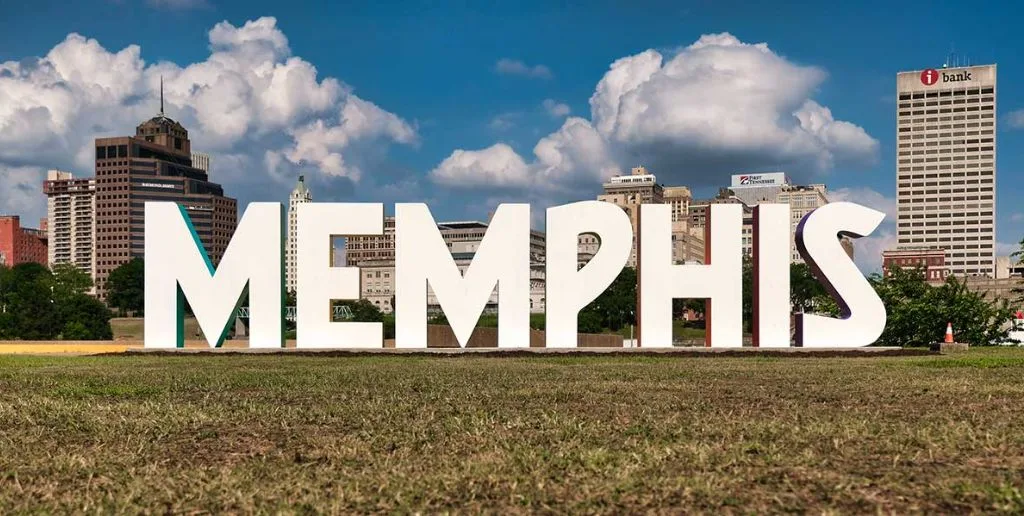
{"points": [[616, 306], [362, 310], [589, 322], [806, 292], [126, 287], [28, 309], [748, 294], [918, 312], [69, 281], [5, 319], [85, 318], [365, 311]]}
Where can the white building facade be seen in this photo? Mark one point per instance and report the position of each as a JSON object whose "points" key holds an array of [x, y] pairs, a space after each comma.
{"points": [[71, 216], [300, 194], [946, 164]]}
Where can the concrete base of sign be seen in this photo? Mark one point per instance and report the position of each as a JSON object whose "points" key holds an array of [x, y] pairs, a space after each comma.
{"points": [[678, 351], [950, 347], [240, 347]]}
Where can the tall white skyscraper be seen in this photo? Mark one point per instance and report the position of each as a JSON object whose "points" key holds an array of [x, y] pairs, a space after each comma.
{"points": [[71, 220], [300, 194], [946, 165]]}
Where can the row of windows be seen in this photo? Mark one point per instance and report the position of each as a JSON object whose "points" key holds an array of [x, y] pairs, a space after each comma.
{"points": [[944, 191], [936, 143], [111, 151], [921, 112], [948, 151], [947, 232], [355, 246], [947, 215], [945, 199], [955, 246], [970, 125], [969, 100], [915, 261], [917, 124], [985, 185], [904, 177], [906, 161], [918, 128], [987, 180], [946, 207], [947, 93]]}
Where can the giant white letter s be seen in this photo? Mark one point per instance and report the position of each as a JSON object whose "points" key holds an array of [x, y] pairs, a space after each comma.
{"points": [[862, 312]]}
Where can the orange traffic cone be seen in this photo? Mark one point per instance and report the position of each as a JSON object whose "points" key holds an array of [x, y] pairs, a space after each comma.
{"points": [[949, 332]]}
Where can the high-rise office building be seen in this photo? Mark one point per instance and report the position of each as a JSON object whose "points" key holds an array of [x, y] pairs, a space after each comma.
{"points": [[153, 165], [946, 165], [71, 220], [300, 194]]}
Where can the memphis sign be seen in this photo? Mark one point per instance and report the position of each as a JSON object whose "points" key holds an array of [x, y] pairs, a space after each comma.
{"points": [[178, 269]]}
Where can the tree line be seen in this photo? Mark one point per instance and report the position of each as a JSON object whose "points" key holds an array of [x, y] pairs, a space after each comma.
{"points": [[37, 303], [41, 304]]}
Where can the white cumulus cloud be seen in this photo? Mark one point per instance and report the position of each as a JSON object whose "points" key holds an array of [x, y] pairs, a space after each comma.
{"points": [[497, 165], [713, 108], [574, 154], [555, 109], [262, 112], [867, 197], [1016, 119], [506, 66]]}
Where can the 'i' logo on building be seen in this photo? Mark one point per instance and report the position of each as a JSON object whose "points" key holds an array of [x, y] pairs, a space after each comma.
{"points": [[929, 77]]}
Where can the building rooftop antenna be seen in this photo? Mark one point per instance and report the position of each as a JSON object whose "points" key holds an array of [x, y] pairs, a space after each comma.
{"points": [[161, 95]]}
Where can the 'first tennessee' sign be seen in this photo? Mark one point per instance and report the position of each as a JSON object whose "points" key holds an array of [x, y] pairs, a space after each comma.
{"points": [[179, 269]]}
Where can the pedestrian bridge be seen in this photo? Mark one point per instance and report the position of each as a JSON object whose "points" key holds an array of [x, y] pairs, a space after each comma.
{"points": [[339, 313]]}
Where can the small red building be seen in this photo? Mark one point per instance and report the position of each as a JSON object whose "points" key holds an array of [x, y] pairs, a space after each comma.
{"points": [[930, 260], [21, 245]]}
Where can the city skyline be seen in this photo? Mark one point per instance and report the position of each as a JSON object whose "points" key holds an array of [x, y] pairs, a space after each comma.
{"points": [[509, 123]]}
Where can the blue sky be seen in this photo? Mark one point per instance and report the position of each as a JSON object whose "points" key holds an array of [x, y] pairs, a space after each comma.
{"points": [[429, 81]]}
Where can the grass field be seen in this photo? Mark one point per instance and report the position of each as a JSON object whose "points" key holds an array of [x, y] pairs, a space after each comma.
{"points": [[131, 328], [535, 434]]}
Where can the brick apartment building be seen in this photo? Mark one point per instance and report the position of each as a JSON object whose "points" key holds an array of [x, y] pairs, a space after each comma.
{"points": [[20, 245], [930, 260]]}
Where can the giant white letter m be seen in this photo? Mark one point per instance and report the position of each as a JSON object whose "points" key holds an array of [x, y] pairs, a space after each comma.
{"points": [[178, 268]]}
